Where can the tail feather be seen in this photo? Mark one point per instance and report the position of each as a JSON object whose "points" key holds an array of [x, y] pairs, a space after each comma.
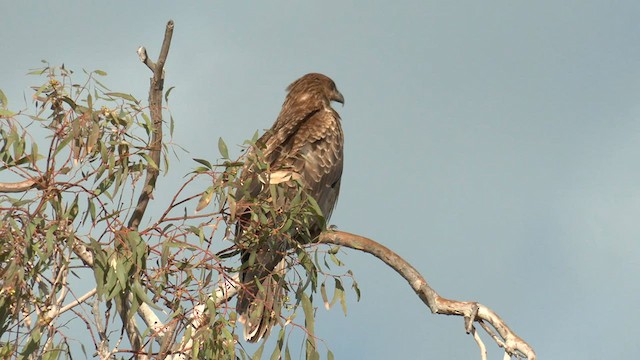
{"points": [[260, 302]]}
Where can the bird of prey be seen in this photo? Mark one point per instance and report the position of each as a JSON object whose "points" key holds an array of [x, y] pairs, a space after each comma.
{"points": [[304, 144]]}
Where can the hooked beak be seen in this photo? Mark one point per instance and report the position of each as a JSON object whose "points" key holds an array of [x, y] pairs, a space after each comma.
{"points": [[337, 97]]}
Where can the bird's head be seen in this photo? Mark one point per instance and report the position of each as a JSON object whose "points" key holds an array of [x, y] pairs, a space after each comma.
{"points": [[315, 84]]}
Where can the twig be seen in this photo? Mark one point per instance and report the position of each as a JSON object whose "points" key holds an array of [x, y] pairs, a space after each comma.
{"points": [[57, 312], [513, 345], [483, 349], [142, 54]]}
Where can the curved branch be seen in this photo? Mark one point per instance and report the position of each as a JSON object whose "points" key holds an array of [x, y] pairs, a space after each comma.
{"points": [[472, 311], [155, 109]]}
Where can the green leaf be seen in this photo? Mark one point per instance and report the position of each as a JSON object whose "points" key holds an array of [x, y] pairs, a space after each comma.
{"points": [[105, 184], [258, 354], [252, 258], [19, 203], [4, 103], [70, 102], [150, 161], [165, 158], [166, 94], [92, 210], [277, 352], [171, 124], [147, 125], [142, 295], [123, 96], [32, 344], [315, 206], [34, 153], [338, 292], [325, 298], [134, 304], [18, 148], [307, 307], [200, 170], [73, 210], [100, 72], [204, 162], [64, 143], [121, 274], [38, 71], [139, 247], [309, 322], [356, 289], [41, 89], [51, 354], [335, 259], [287, 354], [205, 199], [6, 113], [100, 84], [222, 147]]}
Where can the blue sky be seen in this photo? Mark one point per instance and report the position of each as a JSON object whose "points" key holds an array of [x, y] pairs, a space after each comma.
{"points": [[495, 145]]}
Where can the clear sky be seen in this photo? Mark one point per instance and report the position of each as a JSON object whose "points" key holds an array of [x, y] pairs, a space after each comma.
{"points": [[493, 144]]}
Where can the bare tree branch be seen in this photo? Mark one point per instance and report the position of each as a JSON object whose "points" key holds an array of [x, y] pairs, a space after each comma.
{"points": [[144, 57], [18, 186], [483, 349], [81, 249], [57, 311], [472, 311], [155, 108]]}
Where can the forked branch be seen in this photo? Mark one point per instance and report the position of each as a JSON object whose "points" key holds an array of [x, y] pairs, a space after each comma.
{"points": [[155, 109], [471, 311]]}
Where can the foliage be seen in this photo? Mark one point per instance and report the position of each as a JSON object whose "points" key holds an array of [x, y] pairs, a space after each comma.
{"points": [[83, 154]]}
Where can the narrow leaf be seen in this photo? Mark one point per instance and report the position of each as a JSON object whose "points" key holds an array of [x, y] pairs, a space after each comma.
{"points": [[204, 162], [307, 307], [6, 113], [4, 103], [63, 144], [150, 161], [325, 299], [122, 96], [258, 354], [205, 199], [223, 148], [166, 94]]}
